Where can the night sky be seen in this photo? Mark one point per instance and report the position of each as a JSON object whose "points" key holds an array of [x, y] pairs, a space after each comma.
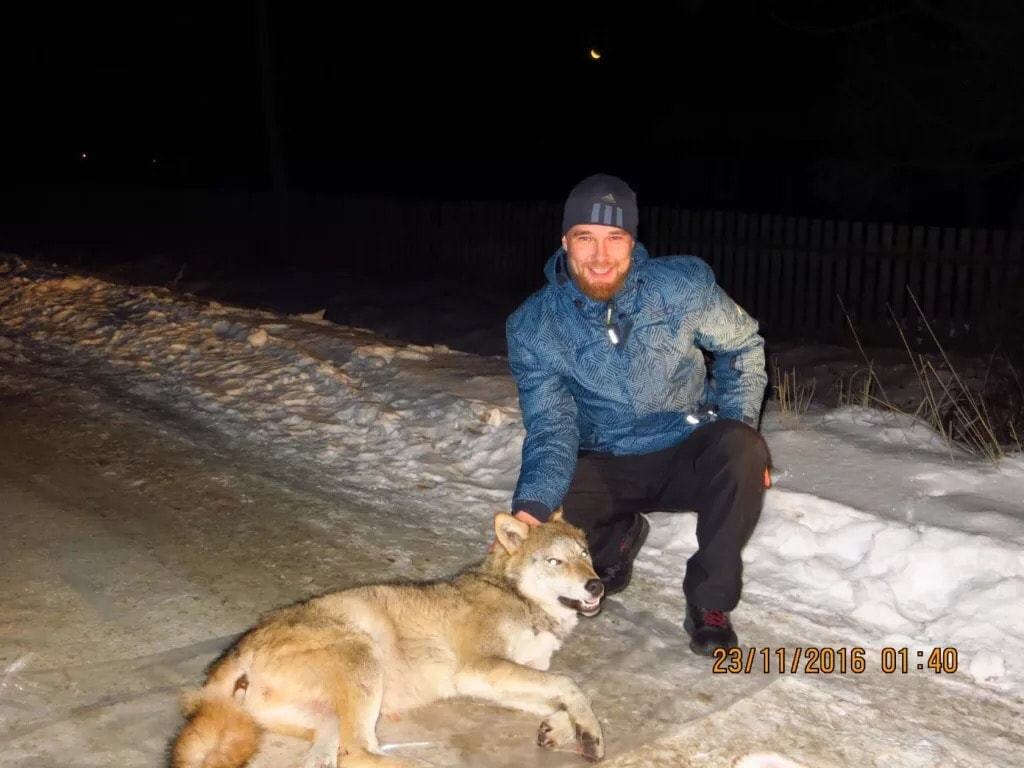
{"points": [[900, 109]]}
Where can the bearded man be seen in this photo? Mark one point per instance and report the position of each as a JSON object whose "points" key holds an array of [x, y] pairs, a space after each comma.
{"points": [[621, 412]]}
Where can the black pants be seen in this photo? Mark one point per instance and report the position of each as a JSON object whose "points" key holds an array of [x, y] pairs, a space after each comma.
{"points": [[717, 472]]}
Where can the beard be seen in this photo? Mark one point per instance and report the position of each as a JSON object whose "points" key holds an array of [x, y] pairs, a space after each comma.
{"points": [[600, 292]]}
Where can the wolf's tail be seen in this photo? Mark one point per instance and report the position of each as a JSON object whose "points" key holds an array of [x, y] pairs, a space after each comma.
{"points": [[218, 734]]}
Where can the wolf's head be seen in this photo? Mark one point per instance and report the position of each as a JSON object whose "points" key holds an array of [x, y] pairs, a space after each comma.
{"points": [[549, 564]]}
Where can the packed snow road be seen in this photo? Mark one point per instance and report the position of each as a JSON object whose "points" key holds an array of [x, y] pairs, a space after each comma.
{"points": [[171, 468]]}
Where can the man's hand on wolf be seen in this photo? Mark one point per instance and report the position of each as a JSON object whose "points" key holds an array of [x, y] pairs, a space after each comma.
{"points": [[522, 516], [527, 518]]}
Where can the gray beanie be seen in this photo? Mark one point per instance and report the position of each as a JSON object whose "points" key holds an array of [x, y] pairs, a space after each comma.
{"points": [[601, 199]]}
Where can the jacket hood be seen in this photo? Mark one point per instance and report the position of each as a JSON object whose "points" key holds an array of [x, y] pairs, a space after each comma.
{"points": [[556, 270]]}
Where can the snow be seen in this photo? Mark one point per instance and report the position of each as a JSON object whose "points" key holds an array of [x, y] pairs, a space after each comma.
{"points": [[875, 535]]}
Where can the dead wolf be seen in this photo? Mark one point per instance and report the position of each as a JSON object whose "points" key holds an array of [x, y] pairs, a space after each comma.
{"points": [[325, 669]]}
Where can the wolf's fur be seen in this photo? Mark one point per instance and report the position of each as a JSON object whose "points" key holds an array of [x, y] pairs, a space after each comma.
{"points": [[327, 668]]}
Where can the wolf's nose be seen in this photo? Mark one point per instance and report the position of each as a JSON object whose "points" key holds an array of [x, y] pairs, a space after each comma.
{"points": [[594, 587]]}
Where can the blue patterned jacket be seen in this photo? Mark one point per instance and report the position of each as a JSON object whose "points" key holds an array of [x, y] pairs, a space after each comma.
{"points": [[578, 390]]}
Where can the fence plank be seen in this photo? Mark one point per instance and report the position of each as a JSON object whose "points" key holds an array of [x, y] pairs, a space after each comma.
{"points": [[828, 307], [854, 270], [962, 279], [899, 274], [717, 244], [884, 301], [1012, 276], [731, 266], [980, 266], [811, 295], [842, 262], [685, 232], [944, 300], [658, 225], [788, 270], [931, 272], [740, 255], [765, 289], [799, 302], [751, 238], [869, 315], [673, 218], [777, 289], [918, 255], [997, 273], [707, 230]]}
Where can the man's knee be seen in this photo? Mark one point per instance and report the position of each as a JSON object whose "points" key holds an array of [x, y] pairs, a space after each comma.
{"points": [[741, 442]]}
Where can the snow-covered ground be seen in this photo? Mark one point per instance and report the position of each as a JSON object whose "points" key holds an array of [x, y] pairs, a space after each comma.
{"points": [[875, 542]]}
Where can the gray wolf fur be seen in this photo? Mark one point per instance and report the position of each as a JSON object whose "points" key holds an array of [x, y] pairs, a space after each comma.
{"points": [[325, 669]]}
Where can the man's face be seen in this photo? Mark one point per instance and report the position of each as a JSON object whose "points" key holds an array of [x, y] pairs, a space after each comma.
{"points": [[599, 258]]}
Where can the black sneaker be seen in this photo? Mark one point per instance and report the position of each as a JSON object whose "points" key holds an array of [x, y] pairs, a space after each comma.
{"points": [[616, 577], [709, 630]]}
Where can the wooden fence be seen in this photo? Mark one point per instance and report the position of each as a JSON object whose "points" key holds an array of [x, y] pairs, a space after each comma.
{"points": [[795, 275], [798, 276]]}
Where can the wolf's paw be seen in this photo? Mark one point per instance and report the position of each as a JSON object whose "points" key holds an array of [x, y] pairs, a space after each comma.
{"points": [[556, 731], [590, 742]]}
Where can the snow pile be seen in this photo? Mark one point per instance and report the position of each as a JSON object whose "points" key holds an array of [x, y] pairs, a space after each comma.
{"points": [[380, 417], [872, 525], [896, 585]]}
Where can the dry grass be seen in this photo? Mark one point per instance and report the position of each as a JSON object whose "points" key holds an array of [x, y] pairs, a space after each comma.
{"points": [[860, 389], [793, 397], [948, 406]]}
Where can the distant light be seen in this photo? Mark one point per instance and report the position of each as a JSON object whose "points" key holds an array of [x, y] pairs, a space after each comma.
{"points": [[595, 54], [84, 155], [153, 161]]}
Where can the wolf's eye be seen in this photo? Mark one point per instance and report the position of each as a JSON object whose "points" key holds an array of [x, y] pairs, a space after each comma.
{"points": [[554, 561], [585, 554]]}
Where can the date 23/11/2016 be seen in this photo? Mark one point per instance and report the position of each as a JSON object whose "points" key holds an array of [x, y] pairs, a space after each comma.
{"points": [[827, 660]]}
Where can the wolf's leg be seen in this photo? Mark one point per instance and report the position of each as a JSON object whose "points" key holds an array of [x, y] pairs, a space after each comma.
{"points": [[355, 685], [514, 685], [345, 683]]}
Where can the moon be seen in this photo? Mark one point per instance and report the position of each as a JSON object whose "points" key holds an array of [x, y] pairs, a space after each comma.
{"points": [[595, 54]]}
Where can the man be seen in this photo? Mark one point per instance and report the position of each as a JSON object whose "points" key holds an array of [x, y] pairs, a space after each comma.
{"points": [[620, 414]]}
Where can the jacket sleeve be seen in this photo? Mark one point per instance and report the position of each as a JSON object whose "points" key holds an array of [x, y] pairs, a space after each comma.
{"points": [[549, 417], [731, 335]]}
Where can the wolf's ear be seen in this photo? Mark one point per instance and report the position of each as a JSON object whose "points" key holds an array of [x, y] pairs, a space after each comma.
{"points": [[557, 516], [511, 533]]}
